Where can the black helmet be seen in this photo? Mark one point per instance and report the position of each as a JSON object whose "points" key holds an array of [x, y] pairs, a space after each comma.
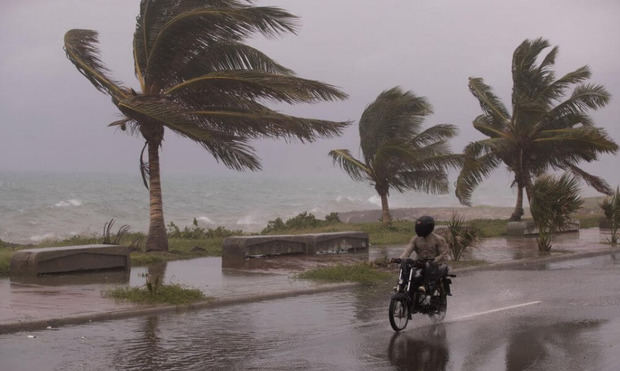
{"points": [[424, 225]]}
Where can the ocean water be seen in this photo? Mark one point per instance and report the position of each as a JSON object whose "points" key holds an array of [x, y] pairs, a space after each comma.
{"points": [[39, 206]]}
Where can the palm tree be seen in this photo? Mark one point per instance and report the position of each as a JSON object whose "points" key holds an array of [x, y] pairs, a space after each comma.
{"points": [[546, 130], [553, 202], [198, 79], [397, 153]]}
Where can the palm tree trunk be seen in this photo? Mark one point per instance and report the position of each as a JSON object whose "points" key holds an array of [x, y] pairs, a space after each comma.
{"points": [[386, 218], [518, 212], [157, 239]]}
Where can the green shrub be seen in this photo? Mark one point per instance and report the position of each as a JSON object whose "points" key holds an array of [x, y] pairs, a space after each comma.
{"points": [[301, 221], [198, 233], [459, 235]]}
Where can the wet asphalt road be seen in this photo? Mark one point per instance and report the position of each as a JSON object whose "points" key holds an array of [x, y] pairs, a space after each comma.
{"points": [[564, 316]]}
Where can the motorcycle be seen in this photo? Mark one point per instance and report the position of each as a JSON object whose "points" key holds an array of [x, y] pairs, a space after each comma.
{"points": [[415, 294]]}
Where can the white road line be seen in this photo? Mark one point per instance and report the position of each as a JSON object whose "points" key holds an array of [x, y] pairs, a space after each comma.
{"points": [[456, 319], [468, 316]]}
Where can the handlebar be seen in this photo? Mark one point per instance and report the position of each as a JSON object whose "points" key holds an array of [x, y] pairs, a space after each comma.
{"points": [[410, 261]]}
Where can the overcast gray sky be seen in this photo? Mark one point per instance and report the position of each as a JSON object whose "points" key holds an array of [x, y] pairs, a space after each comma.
{"points": [[51, 118]]}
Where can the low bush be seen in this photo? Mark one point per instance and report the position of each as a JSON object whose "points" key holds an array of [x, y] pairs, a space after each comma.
{"points": [[198, 233], [301, 221], [459, 235]]}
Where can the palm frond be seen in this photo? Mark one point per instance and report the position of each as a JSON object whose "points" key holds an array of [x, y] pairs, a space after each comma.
{"points": [[525, 56], [594, 181], [434, 181], [265, 122], [232, 150], [490, 104], [586, 136], [434, 133], [483, 125], [399, 156], [475, 169], [549, 59], [557, 89], [212, 57], [81, 49], [204, 25], [566, 121], [258, 85], [355, 168], [584, 97]]}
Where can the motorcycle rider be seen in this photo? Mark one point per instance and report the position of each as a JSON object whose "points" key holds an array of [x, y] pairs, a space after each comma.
{"points": [[427, 245]]}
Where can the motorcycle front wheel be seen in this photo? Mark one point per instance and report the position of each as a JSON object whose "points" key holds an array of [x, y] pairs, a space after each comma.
{"points": [[399, 313]]}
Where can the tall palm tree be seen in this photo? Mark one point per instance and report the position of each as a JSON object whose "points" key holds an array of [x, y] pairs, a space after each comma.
{"points": [[397, 153], [198, 79], [546, 130]]}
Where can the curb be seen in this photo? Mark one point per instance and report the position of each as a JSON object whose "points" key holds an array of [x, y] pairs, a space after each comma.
{"points": [[215, 303], [161, 309]]}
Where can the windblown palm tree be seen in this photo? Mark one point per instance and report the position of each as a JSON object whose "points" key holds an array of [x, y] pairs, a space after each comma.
{"points": [[397, 153], [546, 129], [198, 79]]}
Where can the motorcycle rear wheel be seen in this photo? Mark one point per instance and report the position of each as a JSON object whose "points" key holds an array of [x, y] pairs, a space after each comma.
{"points": [[398, 313]]}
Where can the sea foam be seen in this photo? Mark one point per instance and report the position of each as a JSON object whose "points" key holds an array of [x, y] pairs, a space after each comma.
{"points": [[205, 219], [68, 203]]}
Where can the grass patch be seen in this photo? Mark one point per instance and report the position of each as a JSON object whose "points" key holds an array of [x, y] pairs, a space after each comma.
{"points": [[5, 260], [362, 273], [490, 227], [165, 294]]}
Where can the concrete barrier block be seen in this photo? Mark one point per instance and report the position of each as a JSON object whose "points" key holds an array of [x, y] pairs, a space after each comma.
{"points": [[237, 250], [69, 259], [338, 242]]}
